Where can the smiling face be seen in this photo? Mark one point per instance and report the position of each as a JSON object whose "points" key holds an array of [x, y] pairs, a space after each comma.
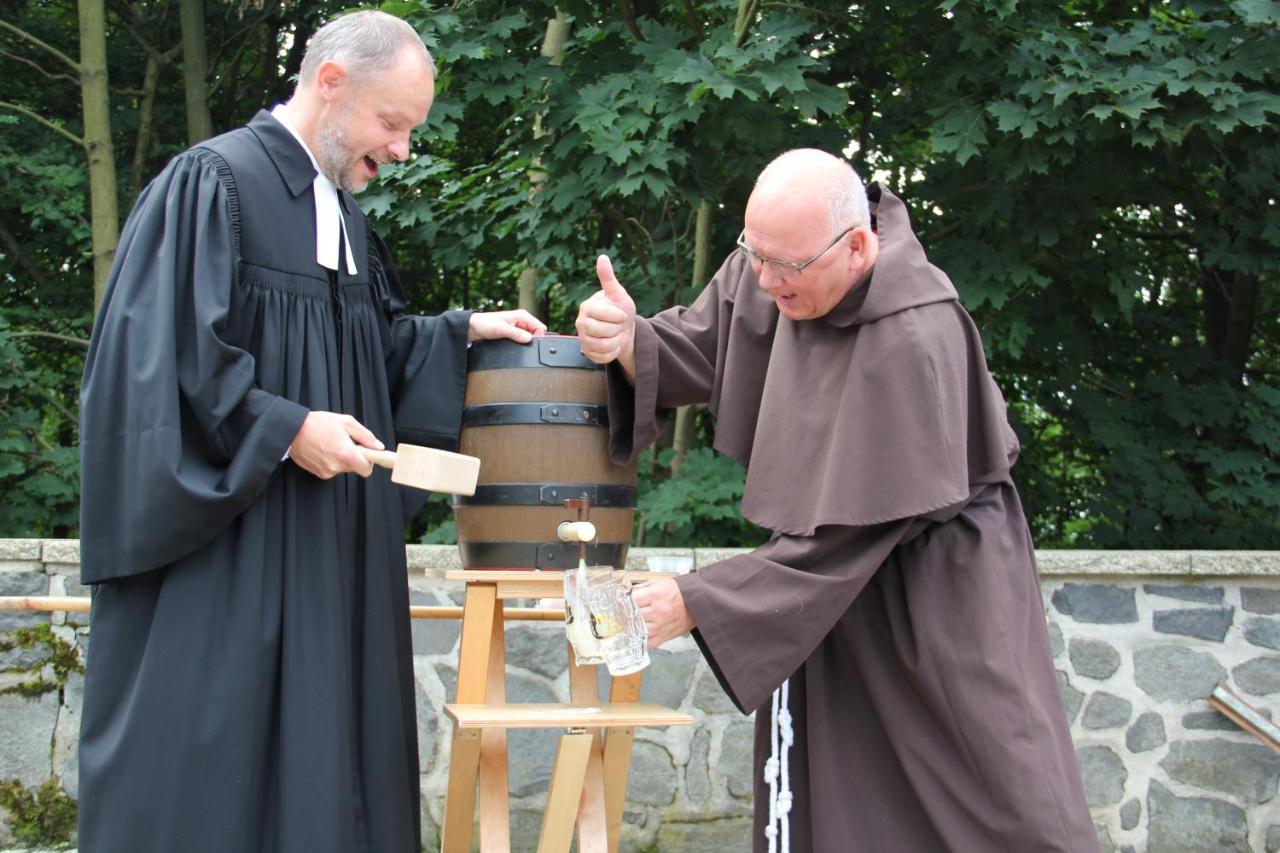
{"points": [[792, 216], [366, 123], [791, 229]]}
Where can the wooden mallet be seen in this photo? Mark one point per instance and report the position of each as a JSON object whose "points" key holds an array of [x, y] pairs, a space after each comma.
{"points": [[428, 468]]}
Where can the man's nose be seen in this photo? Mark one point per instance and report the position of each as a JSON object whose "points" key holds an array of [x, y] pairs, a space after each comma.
{"points": [[399, 147], [769, 280]]}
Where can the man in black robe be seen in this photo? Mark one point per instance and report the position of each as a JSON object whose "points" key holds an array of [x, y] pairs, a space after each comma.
{"points": [[891, 634], [250, 683]]}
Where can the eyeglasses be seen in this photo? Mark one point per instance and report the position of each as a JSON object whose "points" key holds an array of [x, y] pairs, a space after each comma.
{"points": [[785, 269]]}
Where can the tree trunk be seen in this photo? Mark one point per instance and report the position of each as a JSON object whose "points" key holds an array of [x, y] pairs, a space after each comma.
{"points": [[685, 436], [146, 112], [195, 71], [104, 210], [552, 48], [747, 11]]}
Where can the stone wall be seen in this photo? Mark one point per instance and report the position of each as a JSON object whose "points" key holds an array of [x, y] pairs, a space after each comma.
{"points": [[1139, 641]]}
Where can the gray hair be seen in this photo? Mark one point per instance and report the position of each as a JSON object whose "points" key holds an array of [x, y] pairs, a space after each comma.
{"points": [[364, 43], [842, 190]]}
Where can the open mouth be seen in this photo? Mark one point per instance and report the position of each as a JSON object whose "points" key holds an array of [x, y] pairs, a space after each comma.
{"points": [[372, 165]]}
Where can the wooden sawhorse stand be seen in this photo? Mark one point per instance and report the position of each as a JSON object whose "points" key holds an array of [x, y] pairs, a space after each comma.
{"points": [[589, 778]]}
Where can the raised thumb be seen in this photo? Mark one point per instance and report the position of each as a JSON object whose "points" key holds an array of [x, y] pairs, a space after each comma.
{"points": [[609, 285]]}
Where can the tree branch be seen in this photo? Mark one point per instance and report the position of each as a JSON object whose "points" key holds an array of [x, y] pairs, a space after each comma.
{"points": [[70, 339], [38, 67], [57, 54], [42, 120], [836, 16]]}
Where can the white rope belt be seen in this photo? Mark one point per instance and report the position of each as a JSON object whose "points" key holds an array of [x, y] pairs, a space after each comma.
{"points": [[777, 772]]}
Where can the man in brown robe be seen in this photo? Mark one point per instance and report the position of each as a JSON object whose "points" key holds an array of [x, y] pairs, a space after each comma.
{"points": [[890, 635]]}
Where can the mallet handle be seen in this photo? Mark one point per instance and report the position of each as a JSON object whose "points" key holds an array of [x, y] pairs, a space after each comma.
{"points": [[381, 458]]}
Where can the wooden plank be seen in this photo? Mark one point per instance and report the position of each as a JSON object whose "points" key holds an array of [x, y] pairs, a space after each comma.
{"points": [[460, 796], [495, 822], [550, 715], [617, 759], [480, 607], [593, 837], [565, 792]]}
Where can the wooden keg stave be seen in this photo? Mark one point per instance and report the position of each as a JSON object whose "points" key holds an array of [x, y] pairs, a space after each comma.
{"points": [[535, 416]]}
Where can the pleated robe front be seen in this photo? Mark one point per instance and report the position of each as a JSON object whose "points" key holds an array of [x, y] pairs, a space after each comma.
{"points": [[249, 682]]}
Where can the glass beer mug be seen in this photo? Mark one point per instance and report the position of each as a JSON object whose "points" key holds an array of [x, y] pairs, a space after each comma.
{"points": [[602, 622]]}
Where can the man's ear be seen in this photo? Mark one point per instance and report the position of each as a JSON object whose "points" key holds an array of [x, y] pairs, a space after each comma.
{"points": [[331, 79], [863, 246]]}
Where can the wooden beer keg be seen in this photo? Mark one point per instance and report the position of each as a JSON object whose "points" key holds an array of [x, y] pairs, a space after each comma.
{"points": [[536, 416]]}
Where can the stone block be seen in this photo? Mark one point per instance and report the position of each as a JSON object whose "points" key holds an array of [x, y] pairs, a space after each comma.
{"points": [[697, 779], [538, 647], [1104, 775], [1072, 699], [736, 767], [1056, 643], [1182, 824], [1259, 676], [19, 550], [61, 552], [1257, 599], [66, 736], [1130, 812], [710, 697], [1203, 623], [1176, 673], [1273, 838], [1106, 711], [653, 775], [530, 755], [1210, 720], [1094, 658], [429, 734], [1146, 733], [1249, 771], [23, 583], [1186, 592], [717, 834], [25, 748], [432, 636], [1263, 632], [1100, 604], [667, 680]]}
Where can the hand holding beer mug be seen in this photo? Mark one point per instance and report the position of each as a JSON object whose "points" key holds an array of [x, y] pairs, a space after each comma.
{"points": [[603, 621]]}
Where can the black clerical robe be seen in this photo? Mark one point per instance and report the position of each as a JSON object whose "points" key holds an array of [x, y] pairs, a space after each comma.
{"points": [[249, 683], [890, 636]]}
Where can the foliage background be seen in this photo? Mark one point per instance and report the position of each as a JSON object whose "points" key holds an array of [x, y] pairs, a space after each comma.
{"points": [[1098, 178]]}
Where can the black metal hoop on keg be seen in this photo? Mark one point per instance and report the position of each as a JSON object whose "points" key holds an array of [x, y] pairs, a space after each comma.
{"points": [[601, 495]]}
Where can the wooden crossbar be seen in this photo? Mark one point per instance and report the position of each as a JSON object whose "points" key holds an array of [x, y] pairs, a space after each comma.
{"points": [[551, 715], [75, 604]]}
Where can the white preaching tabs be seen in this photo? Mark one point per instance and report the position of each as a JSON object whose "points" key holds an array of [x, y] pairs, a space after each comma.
{"points": [[331, 226]]}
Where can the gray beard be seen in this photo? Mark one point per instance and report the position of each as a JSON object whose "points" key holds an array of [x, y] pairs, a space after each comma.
{"points": [[334, 158]]}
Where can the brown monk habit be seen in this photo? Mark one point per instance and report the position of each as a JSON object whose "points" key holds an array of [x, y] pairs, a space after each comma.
{"points": [[891, 635]]}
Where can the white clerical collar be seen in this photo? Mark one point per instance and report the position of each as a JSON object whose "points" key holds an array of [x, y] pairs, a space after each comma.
{"points": [[331, 226]]}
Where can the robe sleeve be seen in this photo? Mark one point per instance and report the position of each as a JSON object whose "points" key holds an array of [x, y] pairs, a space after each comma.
{"points": [[760, 615], [176, 439], [676, 355], [426, 362]]}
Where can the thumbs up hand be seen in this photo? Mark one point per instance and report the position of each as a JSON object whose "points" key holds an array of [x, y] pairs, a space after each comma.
{"points": [[606, 322]]}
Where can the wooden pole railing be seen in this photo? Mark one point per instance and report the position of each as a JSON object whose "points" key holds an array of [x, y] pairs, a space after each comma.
{"points": [[70, 604]]}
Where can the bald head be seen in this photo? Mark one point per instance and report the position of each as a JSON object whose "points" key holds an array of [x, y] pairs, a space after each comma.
{"points": [[812, 180], [808, 233]]}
